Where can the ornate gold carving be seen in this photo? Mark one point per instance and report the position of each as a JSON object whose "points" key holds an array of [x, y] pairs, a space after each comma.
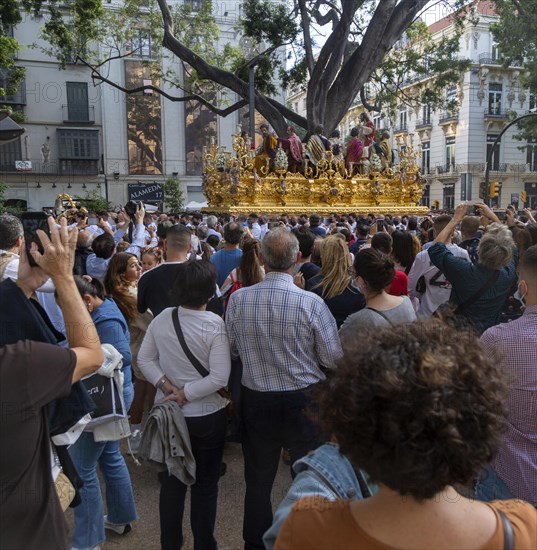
{"points": [[231, 184]]}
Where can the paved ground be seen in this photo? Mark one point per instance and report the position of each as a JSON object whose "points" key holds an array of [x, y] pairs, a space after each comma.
{"points": [[145, 533]]}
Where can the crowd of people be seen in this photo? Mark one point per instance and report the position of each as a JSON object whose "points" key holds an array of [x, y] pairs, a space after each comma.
{"points": [[392, 359]]}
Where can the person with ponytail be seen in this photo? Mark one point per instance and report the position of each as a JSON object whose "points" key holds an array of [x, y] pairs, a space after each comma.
{"points": [[121, 284], [249, 271]]}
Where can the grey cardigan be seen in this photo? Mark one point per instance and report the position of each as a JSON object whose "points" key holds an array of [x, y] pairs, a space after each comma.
{"points": [[166, 441]]}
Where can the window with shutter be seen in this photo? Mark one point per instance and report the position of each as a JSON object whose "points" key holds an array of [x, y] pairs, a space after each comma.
{"points": [[77, 102]]}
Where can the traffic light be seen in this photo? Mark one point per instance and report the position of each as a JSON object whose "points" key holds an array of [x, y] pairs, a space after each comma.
{"points": [[523, 197], [436, 205], [494, 189]]}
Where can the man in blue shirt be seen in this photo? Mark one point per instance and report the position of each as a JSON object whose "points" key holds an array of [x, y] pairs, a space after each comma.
{"points": [[228, 258]]}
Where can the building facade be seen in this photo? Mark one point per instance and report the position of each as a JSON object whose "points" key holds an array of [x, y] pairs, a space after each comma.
{"points": [[80, 137]]}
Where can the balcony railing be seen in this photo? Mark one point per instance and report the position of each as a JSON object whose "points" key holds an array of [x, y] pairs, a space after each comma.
{"points": [[498, 167], [488, 58], [62, 167], [423, 123], [450, 168], [447, 117], [496, 113], [403, 129], [79, 114]]}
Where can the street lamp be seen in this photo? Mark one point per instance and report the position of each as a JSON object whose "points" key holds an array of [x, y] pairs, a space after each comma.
{"points": [[252, 54]]}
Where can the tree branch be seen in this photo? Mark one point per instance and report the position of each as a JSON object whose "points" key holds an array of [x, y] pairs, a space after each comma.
{"points": [[223, 77], [366, 103], [388, 23], [96, 75], [291, 115], [521, 10], [310, 59]]}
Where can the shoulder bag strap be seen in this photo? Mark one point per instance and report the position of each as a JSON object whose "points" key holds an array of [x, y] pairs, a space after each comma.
{"points": [[385, 317], [508, 535], [181, 337], [481, 292]]}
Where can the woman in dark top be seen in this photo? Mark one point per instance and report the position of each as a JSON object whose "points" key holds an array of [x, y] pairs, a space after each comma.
{"points": [[334, 282]]}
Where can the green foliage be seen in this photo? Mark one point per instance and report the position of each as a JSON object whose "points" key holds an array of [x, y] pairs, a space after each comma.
{"points": [[430, 66], [174, 198], [9, 48], [3, 189], [516, 36], [70, 26], [93, 201]]}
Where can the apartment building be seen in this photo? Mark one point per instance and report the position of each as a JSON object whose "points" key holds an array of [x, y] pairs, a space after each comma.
{"points": [[82, 137]]}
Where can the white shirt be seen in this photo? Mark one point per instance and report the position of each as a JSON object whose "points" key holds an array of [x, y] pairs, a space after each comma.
{"points": [[161, 355], [438, 288], [263, 230], [256, 230]]}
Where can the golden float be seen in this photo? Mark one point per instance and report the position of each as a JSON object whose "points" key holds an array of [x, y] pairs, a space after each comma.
{"points": [[231, 184]]}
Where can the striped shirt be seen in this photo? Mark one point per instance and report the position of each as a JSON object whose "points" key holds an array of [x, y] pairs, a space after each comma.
{"points": [[514, 346], [282, 333]]}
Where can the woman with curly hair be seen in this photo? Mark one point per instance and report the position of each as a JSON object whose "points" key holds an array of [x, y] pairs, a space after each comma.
{"points": [[420, 409], [334, 282], [121, 284]]}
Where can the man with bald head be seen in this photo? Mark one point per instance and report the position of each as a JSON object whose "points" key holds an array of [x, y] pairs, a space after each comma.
{"points": [[284, 336]]}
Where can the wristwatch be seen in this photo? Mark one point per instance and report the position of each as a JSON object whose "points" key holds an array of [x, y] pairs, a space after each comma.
{"points": [[161, 383]]}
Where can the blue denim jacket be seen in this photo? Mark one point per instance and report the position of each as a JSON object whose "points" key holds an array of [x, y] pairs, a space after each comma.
{"points": [[324, 472]]}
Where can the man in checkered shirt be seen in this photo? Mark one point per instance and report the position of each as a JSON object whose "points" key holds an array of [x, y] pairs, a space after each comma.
{"points": [[284, 336], [513, 473]]}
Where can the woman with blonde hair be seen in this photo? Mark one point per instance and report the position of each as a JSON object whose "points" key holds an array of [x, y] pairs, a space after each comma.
{"points": [[334, 283], [121, 284]]}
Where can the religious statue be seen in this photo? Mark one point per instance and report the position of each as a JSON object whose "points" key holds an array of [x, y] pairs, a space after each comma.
{"points": [[335, 145], [267, 149], [385, 151], [45, 152], [294, 149], [367, 131], [353, 155], [317, 146]]}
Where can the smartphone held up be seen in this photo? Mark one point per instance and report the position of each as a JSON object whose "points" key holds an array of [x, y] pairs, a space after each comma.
{"points": [[31, 222]]}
